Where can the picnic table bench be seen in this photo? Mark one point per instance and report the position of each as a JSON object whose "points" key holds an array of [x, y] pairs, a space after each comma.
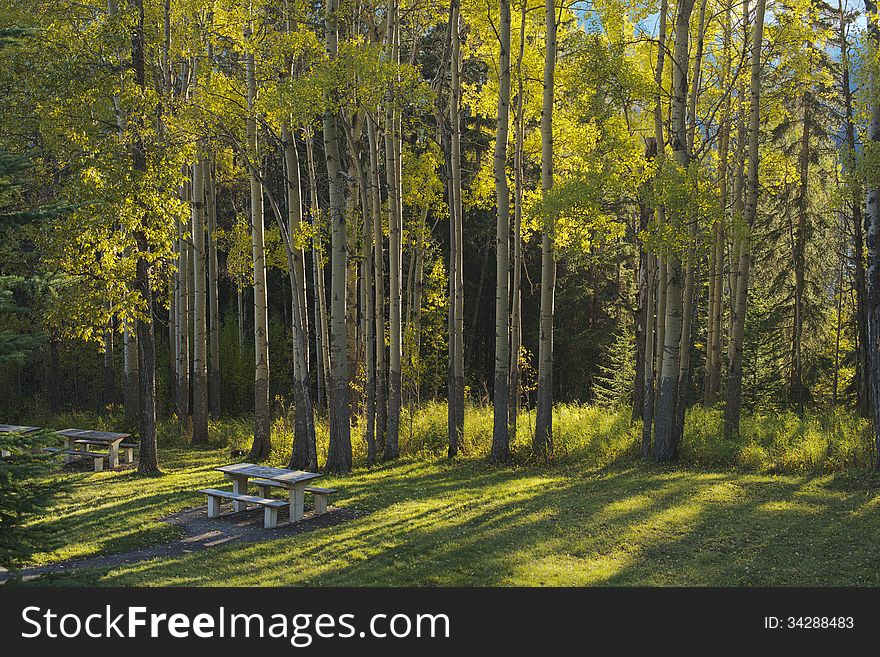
{"points": [[108, 439], [320, 495], [270, 506], [14, 428], [294, 481], [127, 449], [97, 456]]}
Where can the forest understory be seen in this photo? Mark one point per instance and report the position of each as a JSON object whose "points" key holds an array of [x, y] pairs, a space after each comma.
{"points": [[747, 513]]}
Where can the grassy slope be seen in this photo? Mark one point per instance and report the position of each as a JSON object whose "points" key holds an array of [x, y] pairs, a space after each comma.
{"points": [[434, 523]]}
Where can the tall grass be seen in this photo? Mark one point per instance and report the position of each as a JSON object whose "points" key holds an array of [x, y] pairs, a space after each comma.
{"points": [[818, 441]]}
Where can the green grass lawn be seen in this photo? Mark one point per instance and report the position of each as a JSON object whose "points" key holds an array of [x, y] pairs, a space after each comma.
{"points": [[430, 522]]}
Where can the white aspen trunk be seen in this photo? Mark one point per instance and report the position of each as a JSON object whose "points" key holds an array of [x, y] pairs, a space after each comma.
{"points": [[500, 436], [456, 256], [516, 292], [659, 291], [200, 315], [213, 295], [368, 307], [262, 446], [182, 332], [665, 439], [392, 174], [322, 338], [688, 302], [379, 284], [734, 384], [339, 450], [543, 439], [304, 453], [716, 268]]}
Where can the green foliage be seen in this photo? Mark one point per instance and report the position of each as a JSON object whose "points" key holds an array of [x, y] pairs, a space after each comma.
{"points": [[613, 385], [780, 441], [28, 486]]}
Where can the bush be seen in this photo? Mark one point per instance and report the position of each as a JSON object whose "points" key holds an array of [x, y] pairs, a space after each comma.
{"points": [[819, 441], [27, 487]]}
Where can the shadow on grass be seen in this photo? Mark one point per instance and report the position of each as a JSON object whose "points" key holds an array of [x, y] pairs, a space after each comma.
{"points": [[468, 524]]}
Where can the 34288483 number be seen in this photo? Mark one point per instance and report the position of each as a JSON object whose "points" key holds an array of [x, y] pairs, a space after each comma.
{"points": [[819, 622]]}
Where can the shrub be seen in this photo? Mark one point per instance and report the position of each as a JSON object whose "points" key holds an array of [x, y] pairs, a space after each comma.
{"points": [[26, 490]]}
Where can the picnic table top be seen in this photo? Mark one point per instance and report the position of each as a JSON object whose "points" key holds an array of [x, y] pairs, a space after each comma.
{"points": [[12, 428], [108, 437], [280, 475]]}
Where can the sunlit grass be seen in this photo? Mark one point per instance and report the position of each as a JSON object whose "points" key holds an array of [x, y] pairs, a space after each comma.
{"points": [[594, 516]]}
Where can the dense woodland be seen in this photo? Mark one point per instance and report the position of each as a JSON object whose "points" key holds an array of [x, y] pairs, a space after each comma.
{"points": [[345, 210]]}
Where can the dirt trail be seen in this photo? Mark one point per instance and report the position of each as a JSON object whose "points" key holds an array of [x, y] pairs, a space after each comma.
{"points": [[201, 533]]}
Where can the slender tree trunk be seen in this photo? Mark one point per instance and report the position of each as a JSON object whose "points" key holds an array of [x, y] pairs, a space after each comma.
{"points": [[500, 436], [262, 446], [109, 391], [696, 78], [796, 384], [737, 210], [379, 285], [304, 453], [322, 338], [368, 310], [130, 384], [148, 461], [339, 450], [392, 170], [516, 292], [456, 256], [688, 303], [182, 332], [200, 332], [734, 384], [650, 339], [640, 313], [838, 320], [645, 322], [352, 323], [665, 437], [716, 266], [543, 439], [213, 295], [858, 245], [659, 291], [239, 297], [872, 220]]}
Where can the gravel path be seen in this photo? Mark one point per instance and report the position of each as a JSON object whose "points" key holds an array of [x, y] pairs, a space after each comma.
{"points": [[201, 533]]}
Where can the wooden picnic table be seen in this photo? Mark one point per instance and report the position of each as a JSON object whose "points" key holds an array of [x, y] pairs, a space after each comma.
{"points": [[107, 438], [293, 480], [14, 428]]}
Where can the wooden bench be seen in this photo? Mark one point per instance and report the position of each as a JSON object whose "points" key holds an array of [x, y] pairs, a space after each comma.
{"points": [[98, 457], [127, 448], [270, 507], [321, 495], [128, 451]]}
